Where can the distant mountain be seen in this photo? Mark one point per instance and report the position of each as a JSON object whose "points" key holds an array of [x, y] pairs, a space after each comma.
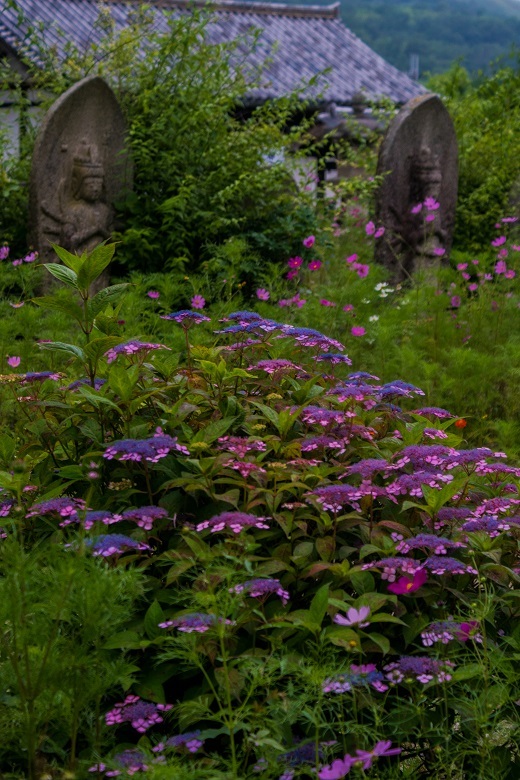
{"points": [[439, 31]]}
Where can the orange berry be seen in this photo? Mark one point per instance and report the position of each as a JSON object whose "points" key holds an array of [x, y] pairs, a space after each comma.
{"points": [[460, 423]]}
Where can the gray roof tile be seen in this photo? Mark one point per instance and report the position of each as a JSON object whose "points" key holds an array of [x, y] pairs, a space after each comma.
{"points": [[302, 41]]}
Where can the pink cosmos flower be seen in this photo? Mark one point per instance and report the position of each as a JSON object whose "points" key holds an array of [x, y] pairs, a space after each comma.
{"points": [[309, 241], [153, 294], [501, 267], [439, 251], [17, 262], [499, 241], [516, 247], [455, 301], [292, 274], [351, 258], [380, 749], [358, 330], [295, 262], [431, 204], [198, 302], [370, 228], [405, 585], [4, 252], [14, 361], [348, 307], [338, 769], [502, 252], [17, 305], [461, 266], [325, 302], [473, 287], [430, 218], [314, 265], [475, 262], [379, 232], [509, 219], [510, 274], [262, 294], [416, 209], [355, 617]]}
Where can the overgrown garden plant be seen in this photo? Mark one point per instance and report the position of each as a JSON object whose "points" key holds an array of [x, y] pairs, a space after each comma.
{"points": [[300, 571]]}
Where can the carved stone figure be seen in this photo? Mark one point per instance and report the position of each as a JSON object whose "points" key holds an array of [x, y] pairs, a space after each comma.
{"points": [[79, 169], [416, 201]]}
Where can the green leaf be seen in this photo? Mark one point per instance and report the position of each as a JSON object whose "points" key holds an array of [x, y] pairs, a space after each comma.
{"points": [[319, 604], [7, 448], [96, 348], [122, 382], [123, 640], [383, 617], [60, 346], [381, 641], [106, 297], [214, 430], [467, 672], [94, 264], [71, 261], [362, 582], [55, 303], [154, 615], [64, 274], [96, 399]]}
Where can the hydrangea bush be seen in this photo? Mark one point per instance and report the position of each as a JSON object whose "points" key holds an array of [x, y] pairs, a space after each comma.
{"points": [[325, 575]]}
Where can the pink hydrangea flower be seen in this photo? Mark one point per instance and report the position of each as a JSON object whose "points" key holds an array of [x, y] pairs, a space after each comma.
{"points": [[198, 302], [358, 330], [309, 241], [262, 294]]}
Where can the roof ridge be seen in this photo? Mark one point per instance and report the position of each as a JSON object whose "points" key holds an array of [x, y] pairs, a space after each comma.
{"points": [[243, 6]]}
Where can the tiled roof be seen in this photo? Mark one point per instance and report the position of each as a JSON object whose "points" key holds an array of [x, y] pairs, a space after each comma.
{"points": [[301, 42]]}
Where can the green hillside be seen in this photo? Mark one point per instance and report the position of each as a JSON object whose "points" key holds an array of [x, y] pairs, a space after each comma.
{"points": [[439, 31]]}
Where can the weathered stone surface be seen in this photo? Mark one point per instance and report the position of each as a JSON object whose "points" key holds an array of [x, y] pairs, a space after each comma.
{"points": [[79, 169], [419, 151]]}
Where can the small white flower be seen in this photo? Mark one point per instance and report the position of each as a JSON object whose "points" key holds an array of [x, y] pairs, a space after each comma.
{"points": [[373, 318]]}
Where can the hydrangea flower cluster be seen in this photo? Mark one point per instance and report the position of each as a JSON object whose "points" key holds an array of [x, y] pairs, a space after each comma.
{"points": [[107, 545], [131, 348], [63, 507], [191, 741], [359, 676], [241, 445], [186, 317], [364, 758], [235, 521], [262, 588], [446, 631], [196, 622], [140, 714], [144, 516], [421, 669], [150, 450]]}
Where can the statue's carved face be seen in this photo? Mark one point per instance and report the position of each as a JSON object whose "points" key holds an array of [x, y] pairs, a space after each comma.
{"points": [[91, 189]]}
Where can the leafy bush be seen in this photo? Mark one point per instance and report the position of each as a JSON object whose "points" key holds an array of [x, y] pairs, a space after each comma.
{"points": [[330, 579], [201, 157]]}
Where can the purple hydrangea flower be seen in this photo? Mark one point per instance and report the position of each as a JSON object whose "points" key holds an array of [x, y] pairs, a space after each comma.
{"points": [[316, 415], [186, 317], [194, 622], [98, 384], [368, 467], [322, 442], [441, 564], [358, 677], [261, 588], [422, 669], [64, 507], [275, 366], [39, 376], [144, 516], [133, 347], [392, 566], [92, 517], [235, 521], [241, 445], [191, 741], [490, 524], [438, 544], [107, 545], [433, 411], [6, 506], [151, 450], [445, 631], [334, 358], [140, 714]]}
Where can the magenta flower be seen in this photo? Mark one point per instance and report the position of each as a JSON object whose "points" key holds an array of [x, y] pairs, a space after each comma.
{"points": [[430, 218], [361, 270], [141, 714], [439, 251], [455, 301], [314, 265], [309, 241], [431, 204], [379, 232], [17, 305], [351, 258], [235, 521], [461, 266], [348, 307], [295, 262], [4, 252], [405, 585], [501, 267], [262, 294], [379, 750], [416, 209], [370, 228], [338, 769], [358, 330], [473, 287], [509, 219], [510, 274], [14, 361], [325, 302], [153, 294], [30, 258], [198, 302], [499, 241], [355, 617], [292, 274]]}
